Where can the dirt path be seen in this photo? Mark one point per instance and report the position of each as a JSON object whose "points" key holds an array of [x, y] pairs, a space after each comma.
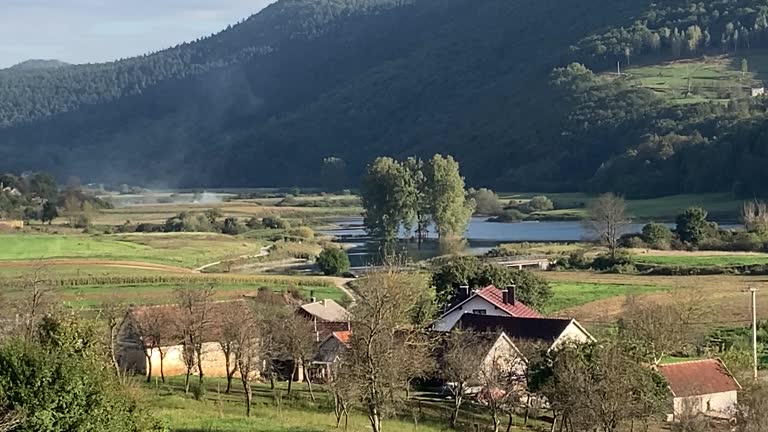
{"points": [[264, 252], [343, 285], [139, 265]]}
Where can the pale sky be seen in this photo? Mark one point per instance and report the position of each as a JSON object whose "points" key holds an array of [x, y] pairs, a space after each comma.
{"points": [[88, 31]]}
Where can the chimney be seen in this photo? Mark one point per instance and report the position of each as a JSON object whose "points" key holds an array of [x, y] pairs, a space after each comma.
{"points": [[505, 296], [313, 299], [463, 292], [511, 295]]}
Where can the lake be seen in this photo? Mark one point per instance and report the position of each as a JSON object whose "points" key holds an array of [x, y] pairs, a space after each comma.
{"points": [[481, 235]]}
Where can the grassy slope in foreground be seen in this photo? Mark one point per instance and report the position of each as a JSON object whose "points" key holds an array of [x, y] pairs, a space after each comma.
{"points": [[187, 249]]}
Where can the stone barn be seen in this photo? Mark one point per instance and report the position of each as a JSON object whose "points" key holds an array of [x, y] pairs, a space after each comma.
{"points": [[701, 387], [149, 340]]}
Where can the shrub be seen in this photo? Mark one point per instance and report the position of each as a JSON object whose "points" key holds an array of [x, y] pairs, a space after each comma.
{"points": [[576, 260], [275, 223], [633, 242], [540, 203], [655, 233], [304, 232], [232, 226], [511, 215], [333, 261], [198, 392], [608, 262]]}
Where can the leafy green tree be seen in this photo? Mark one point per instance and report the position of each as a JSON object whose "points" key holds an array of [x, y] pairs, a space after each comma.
{"points": [[486, 202], [333, 261], [692, 226], [388, 197], [540, 203], [657, 234], [61, 383], [451, 210], [31, 213], [531, 288], [421, 205]]}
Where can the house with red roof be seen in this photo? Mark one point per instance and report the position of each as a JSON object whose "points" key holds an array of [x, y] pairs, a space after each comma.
{"points": [[328, 353], [701, 386], [487, 301]]}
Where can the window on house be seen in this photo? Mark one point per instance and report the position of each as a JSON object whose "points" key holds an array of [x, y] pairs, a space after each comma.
{"points": [[478, 311]]}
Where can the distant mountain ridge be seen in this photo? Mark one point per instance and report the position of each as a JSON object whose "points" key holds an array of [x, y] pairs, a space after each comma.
{"points": [[264, 101], [37, 64]]}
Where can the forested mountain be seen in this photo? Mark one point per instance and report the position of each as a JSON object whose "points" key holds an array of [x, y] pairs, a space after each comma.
{"points": [[264, 101], [36, 64]]}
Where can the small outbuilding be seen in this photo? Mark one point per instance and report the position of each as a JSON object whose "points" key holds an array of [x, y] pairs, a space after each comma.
{"points": [[701, 387]]}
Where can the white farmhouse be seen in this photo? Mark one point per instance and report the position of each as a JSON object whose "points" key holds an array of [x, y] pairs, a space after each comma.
{"points": [[487, 301], [701, 386]]}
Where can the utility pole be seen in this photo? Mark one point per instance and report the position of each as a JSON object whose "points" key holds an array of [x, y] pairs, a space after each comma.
{"points": [[618, 68], [754, 329]]}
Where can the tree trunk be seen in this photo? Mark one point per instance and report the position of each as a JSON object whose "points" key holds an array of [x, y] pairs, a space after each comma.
{"points": [[337, 408], [248, 396], [554, 422], [230, 373], [162, 372], [509, 422], [309, 381], [149, 367], [495, 418], [457, 406], [271, 381], [290, 382], [375, 417], [112, 351], [186, 381], [200, 366]]}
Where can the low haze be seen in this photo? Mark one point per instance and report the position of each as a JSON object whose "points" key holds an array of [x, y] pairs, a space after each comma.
{"points": [[84, 31]]}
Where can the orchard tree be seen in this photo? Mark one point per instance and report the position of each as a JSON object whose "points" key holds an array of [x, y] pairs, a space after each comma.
{"points": [[49, 212], [387, 335]]}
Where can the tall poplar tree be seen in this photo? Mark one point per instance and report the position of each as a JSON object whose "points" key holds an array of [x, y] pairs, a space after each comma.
{"points": [[451, 210]]}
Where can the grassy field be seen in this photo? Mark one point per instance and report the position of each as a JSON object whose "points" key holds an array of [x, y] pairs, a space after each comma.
{"points": [[703, 260], [275, 411], [185, 250], [572, 294], [573, 205]]}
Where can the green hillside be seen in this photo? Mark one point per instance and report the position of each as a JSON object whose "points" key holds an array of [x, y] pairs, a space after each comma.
{"points": [[263, 102]]}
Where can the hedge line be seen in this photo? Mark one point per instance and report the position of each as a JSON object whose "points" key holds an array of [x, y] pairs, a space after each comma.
{"points": [[179, 279]]}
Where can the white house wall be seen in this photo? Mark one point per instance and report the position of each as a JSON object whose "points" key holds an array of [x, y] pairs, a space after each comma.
{"points": [[715, 403], [573, 333], [214, 361], [447, 322]]}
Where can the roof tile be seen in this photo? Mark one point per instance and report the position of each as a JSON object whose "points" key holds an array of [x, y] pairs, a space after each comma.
{"points": [[700, 377], [518, 309]]}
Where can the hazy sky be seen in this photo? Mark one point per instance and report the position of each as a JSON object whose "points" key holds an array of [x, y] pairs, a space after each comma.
{"points": [[82, 31]]}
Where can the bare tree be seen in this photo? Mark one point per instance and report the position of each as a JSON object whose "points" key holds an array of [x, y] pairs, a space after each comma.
{"points": [[344, 392], [113, 313], [35, 301], [189, 357], [607, 219], [752, 409], [503, 385], [384, 334], [660, 329], [153, 328], [248, 349], [294, 337], [228, 340], [754, 214], [600, 386], [459, 365], [193, 320]]}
